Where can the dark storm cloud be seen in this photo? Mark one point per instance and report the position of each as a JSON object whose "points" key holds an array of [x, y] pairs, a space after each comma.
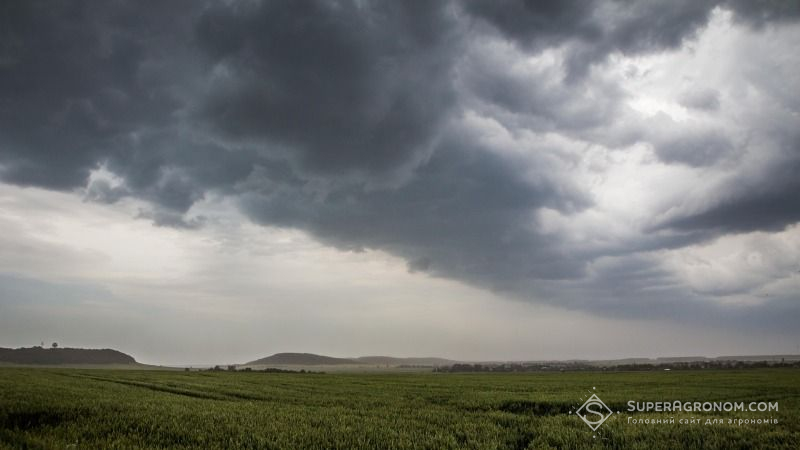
{"points": [[769, 210], [769, 204], [761, 12], [164, 217], [344, 86], [103, 191], [175, 168], [539, 23], [634, 286], [72, 80], [686, 144], [346, 119], [595, 29], [694, 149], [536, 99], [629, 285], [702, 99], [465, 214], [763, 195]]}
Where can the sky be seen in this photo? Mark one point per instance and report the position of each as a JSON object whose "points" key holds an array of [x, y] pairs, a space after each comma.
{"points": [[204, 182]]}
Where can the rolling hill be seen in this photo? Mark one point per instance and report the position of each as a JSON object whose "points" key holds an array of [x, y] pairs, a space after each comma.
{"points": [[300, 359], [310, 359], [56, 356]]}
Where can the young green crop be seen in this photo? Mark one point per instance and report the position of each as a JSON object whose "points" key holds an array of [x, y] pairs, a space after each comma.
{"points": [[116, 409]]}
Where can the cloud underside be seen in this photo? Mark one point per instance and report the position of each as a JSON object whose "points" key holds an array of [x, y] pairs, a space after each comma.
{"points": [[468, 137]]}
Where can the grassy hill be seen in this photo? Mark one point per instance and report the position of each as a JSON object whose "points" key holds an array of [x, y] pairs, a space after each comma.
{"points": [[310, 359], [300, 359], [59, 356]]}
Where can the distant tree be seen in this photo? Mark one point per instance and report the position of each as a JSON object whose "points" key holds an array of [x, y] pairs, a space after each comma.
{"points": [[55, 345]]}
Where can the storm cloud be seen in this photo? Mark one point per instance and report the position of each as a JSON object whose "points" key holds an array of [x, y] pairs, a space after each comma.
{"points": [[479, 141]]}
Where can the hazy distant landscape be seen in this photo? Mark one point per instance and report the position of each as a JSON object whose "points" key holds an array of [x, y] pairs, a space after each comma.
{"points": [[100, 358]]}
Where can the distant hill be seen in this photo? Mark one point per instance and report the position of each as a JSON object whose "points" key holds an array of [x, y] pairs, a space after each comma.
{"points": [[310, 359], [382, 362], [392, 361], [759, 358], [54, 356], [300, 359]]}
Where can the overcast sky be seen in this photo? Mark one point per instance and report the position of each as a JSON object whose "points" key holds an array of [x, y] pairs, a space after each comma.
{"points": [[210, 182]]}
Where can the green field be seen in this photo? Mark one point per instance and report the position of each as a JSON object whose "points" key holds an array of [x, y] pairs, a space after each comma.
{"points": [[104, 409]]}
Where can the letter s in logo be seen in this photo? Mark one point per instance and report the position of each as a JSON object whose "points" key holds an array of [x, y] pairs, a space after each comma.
{"points": [[596, 408], [594, 412]]}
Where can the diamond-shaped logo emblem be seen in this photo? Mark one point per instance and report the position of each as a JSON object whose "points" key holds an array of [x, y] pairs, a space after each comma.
{"points": [[594, 412]]}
